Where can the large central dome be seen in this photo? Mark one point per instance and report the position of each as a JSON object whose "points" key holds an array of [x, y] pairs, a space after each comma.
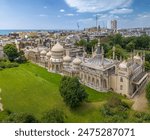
{"points": [[57, 48]]}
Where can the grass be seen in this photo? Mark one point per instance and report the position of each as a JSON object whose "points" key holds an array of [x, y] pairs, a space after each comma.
{"points": [[31, 89]]}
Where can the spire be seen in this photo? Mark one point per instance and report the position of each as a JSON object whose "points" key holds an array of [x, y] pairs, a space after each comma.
{"points": [[99, 42], [92, 51], [114, 49], [102, 55], [143, 56], [120, 58]]}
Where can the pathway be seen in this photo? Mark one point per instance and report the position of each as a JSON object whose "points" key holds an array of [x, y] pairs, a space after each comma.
{"points": [[140, 102]]}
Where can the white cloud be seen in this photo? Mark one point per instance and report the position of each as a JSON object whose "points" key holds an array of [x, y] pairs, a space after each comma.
{"points": [[97, 5], [121, 11], [70, 15], [144, 15], [85, 20], [62, 10]]}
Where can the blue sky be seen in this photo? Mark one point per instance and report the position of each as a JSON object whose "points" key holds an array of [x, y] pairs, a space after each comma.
{"points": [[65, 14]]}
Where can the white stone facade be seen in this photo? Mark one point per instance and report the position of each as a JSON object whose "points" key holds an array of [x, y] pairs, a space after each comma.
{"points": [[125, 77]]}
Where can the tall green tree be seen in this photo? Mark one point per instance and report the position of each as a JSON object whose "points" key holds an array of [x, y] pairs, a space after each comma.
{"points": [[130, 46], [119, 52], [87, 44], [11, 51], [116, 39], [147, 66], [148, 92], [72, 91]]}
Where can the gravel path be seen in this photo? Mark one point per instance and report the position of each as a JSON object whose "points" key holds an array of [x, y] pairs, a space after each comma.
{"points": [[140, 102]]}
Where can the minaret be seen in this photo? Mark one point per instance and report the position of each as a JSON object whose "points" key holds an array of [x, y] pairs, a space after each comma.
{"points": [[114, 49], [92, 51], [120, 58], [99, 42], [102, 55], [144, 57]]}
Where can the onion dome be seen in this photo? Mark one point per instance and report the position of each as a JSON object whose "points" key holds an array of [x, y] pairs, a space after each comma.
{"points": [[49, 54], [137, 57], [123, 65], [57, 48], [67, 58], [43, 52], [77, 61]]}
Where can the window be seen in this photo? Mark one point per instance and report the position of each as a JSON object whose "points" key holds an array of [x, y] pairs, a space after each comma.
{"points": [[121, 87], [121, 79]]}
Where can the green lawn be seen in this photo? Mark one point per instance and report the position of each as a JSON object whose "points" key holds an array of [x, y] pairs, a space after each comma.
{"points": [[31, 89]]}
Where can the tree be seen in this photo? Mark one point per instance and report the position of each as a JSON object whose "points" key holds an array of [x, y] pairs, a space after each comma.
{"points": [[147, 66], [130, 46], [147, 56], [119, 52], [148, 91], [72, 92], [142, 42], [116, 39], [87, 44], [20, 118], [11, 52], [53, 116]]}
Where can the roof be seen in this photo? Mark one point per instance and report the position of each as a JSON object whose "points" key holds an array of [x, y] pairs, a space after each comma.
{"points": [[77, 61], [57, 48], [140, 78]]}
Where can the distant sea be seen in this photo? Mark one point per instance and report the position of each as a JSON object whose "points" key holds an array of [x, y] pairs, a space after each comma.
{"points": [[6, 32]]}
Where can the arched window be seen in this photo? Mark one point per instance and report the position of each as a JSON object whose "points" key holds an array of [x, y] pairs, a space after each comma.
{"points": [[85, 77], [89, 79], [97, 83], [121, 79], [105, 84], [121, 87]]}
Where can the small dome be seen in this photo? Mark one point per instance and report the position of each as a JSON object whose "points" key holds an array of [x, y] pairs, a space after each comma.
{"points": [[49, 54], [77, 61], [123, 65], [67, 58], [57, 48], [43, 52], [137, 57]]}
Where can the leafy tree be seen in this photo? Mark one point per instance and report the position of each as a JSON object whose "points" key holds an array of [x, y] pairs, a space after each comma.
{"points": [[72, 91], [130, 46], [147, 56], [148, 91], [115, 110], [11, 51], [142, 42], [87, 44], [20, 118], [53, 116], [116, 39], [147, 66], [119, 52]]}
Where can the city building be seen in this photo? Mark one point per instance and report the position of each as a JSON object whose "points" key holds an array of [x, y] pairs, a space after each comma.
{"points": [[126, 77], [114, 25]]}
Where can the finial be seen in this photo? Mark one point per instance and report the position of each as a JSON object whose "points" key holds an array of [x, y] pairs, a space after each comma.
{"points": [[99, 42]]}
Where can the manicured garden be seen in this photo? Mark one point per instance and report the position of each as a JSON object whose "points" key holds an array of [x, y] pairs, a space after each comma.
{"points": [[31, 89]]}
